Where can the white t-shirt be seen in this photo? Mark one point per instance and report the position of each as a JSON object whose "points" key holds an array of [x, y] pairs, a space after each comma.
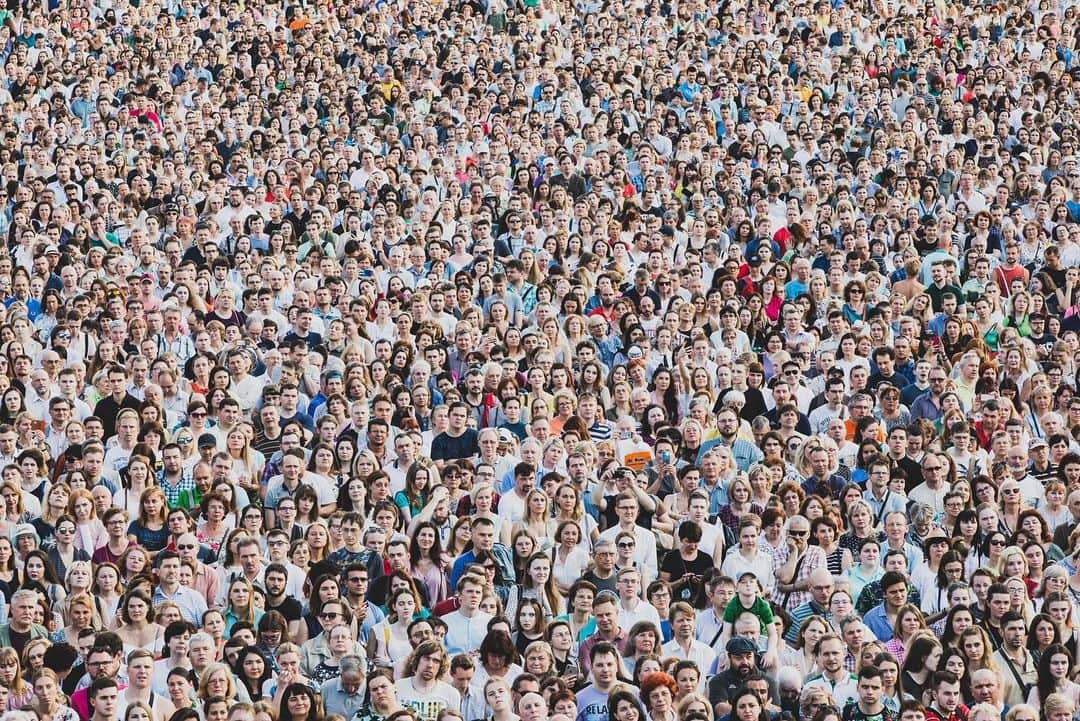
{"points": [[428, 703]]}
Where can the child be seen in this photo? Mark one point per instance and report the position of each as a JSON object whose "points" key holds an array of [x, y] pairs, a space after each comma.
{"points": [[748, 600]]}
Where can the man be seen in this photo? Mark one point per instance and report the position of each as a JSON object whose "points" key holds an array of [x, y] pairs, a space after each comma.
{"points": [[882, 618], [192, 604], [742, 666], [608, 631], [462, 670], [834, 679], [928, 405], [933, 488], [500, 700], [344, 696], [603, 574], [352, 528], [206, 581], [421, 689], [101, 665], [592, 700], [512, 502], [173, 478], [985, 688], [626, 508], [177, 640], [108, 407], [945, 703], [201, 649], [822, 481], [998, 603], [21, 628], [743, 451], [102, 698], [458, 441], [1017, 669], [683, 645], [1063, 531], [821, 587], [868, 706], [276, 579], [880, 497], [467, 626], [794, 563], [483, 539], [631, 608]]}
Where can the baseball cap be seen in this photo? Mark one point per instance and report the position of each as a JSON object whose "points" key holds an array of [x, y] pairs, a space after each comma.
{"points": [[207, 440], [52, 250], [1039, 443]]}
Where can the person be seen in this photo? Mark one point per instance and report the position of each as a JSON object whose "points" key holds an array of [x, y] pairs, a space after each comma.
{"points": [[102, 697], [1018, 669], [742, 666], [382, 700], [468, 624], [593, 700], [837, 681], [421, 687], [20, 628], [683, 645], [946, 703], [868, 705]]}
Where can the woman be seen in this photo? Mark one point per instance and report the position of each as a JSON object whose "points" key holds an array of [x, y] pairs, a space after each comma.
{"points": [[643, 640], [427, 562], [529, 624], [977, 650], [50, 703], [149, 530], [217, 680], [212, 526], [241, 605], [107, 589], [920, 662], [19, 692], [802, 657], [299, 703], [868, 569], [388, 641], [64, 554], [536, 520], [748, 555], [1055, 676], [38, 571], [909, 623], [138, 630], [79, 616], [746, 706], [135, 478], [91, 535], [252, 670], [892, 691], [537, 583], [658, 692], [739, 493], [838, 559], [339, 641], [570, 560]]}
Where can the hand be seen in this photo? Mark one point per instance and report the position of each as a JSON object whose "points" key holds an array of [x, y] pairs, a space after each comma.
{"points": [[769, 660]]}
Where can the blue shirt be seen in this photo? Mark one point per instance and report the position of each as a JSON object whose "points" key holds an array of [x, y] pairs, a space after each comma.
{"points": [[192, 605], [878, 623]]}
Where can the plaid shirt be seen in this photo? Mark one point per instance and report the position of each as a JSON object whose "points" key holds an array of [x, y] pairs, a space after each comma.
{"points": [[172, 493], [813, 559]]}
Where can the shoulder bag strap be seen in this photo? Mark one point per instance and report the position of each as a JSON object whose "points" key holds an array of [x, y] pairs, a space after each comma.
{"points": [[794, 577], [1026, 688]]}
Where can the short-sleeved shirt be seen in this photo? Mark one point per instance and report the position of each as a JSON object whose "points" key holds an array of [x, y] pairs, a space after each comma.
{"points": [[760, 608]]}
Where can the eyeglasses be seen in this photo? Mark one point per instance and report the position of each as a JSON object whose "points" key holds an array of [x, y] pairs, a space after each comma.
{"points": [[997, 542], [626, 544], [185, 547], [329, 616], [931, 468], [798, 534]]}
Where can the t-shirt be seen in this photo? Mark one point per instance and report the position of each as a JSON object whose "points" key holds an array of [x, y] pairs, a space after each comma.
{"points": [[445, 447], [290, 608], [592, 704], [760, 608], [678, 567], [427, 704]]}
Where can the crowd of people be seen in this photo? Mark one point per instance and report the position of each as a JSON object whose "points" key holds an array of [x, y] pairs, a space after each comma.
{"points": [[539, 360]]}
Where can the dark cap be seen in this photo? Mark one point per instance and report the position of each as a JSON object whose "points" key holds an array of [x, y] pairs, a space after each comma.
{"points": [[207, 440], [754, 260], [741, 645]]}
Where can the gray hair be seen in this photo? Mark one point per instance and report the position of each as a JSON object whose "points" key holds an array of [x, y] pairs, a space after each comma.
{"points": [[352, 663], [201, 638]]}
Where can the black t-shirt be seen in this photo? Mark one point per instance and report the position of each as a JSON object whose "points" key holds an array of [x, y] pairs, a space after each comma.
{"points": [[290, 608], [18, 640], [445, 447], [678, 567]]}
